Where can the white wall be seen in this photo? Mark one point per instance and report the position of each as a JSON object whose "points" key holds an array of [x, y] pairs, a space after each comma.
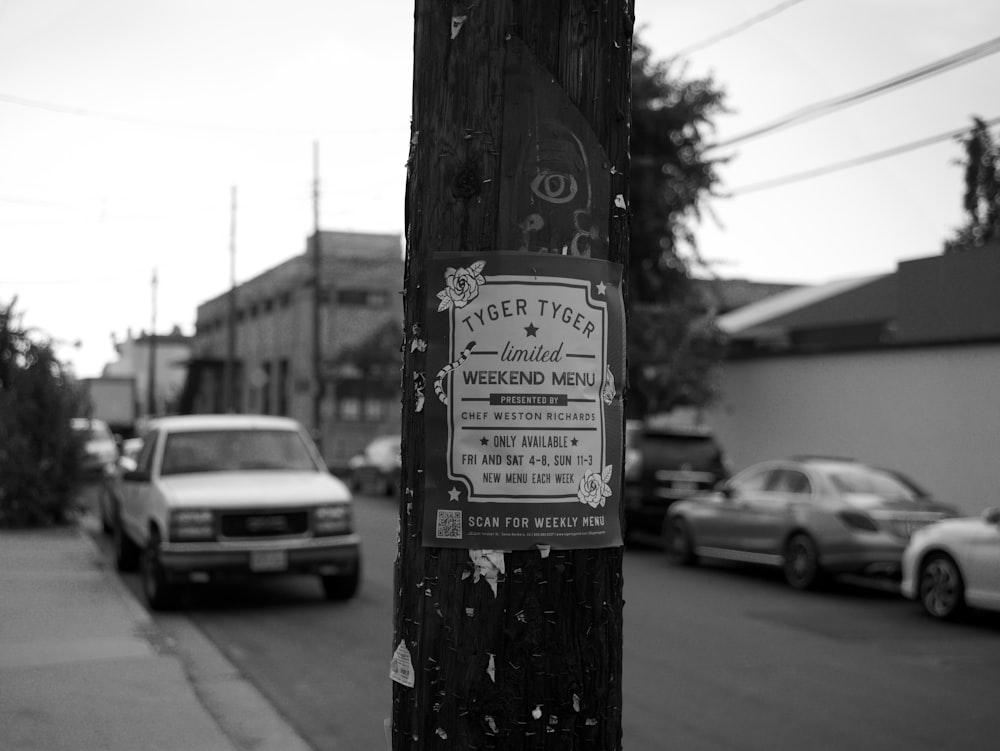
{"points": [[933, 414]]}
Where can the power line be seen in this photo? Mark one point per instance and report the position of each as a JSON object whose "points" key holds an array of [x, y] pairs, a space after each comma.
{"points": [[733, 30], [825, 107], [64, 109], [855, 162]]}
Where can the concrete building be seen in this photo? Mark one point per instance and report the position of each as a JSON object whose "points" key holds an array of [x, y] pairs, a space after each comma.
{"points": [[170, 354], [267, 325], [898, 369]]}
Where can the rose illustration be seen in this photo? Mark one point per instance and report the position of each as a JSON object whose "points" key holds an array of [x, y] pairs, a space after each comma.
{"points": [[594, 487], [461, 286]]}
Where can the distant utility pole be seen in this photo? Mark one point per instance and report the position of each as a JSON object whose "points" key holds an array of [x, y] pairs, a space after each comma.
{"points": [[230, 397], [507, 624], [317, 271], [151, 396]]}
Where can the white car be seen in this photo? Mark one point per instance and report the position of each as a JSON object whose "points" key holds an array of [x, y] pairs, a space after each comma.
{"points": [[954, 564], [376, 470], [213, 494]]}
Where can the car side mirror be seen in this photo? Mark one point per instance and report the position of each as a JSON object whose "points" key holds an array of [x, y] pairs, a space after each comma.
{"points": [[127, 464], [992, 515], [725, 490]]}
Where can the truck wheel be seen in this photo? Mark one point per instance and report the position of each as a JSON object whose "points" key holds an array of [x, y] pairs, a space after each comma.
{"points": [[126, 551], [341, 586], [161, 594]]}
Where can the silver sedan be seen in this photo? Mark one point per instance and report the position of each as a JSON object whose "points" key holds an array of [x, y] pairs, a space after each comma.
{"points": [[809, 516]]}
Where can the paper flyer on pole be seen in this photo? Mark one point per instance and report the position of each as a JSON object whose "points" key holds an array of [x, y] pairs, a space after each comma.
{"points": [[523, 405]]}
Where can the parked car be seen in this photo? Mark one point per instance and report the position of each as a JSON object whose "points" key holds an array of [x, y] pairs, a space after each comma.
{"points": [[665, 464], [810, 516], [99, 448], [217, 494], [112, 491], [376, 470], [98, 462], [954, 565]]}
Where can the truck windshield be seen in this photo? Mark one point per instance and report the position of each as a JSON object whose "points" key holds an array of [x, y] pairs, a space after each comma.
{"points": [[235, 450]]}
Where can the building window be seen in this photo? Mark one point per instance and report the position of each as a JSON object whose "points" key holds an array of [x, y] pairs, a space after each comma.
{"points": [[356, 297], [350, 408], [378, 299], [374, 409], [362, 298], [283, 386]]}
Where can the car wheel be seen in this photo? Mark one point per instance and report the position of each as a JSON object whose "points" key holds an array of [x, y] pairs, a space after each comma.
{"points": [[801, 566], [126, 551], [161, 594], [387, 488], [354, 483], [341, 586], [942, 591], [678, 542], [107, 526]]}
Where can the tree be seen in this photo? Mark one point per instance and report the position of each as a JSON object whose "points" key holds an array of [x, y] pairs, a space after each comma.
{"points": [[39, 454], [674, 344], [981, 200]]}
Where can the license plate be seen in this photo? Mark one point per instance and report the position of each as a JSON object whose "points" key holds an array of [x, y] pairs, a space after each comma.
{"points": [[268, 560]]}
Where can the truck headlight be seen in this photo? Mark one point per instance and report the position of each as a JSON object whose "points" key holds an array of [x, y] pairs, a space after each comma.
{"points": [[192, 524], [332, 520]]}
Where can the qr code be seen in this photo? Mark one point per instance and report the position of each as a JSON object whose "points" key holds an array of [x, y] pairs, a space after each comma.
{"points": [[449, 524]]}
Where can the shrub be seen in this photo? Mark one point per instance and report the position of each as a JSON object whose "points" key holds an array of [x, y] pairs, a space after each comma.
{"points": [[39, 454]]}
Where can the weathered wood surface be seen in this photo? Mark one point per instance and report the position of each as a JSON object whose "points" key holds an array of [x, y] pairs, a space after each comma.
{"points": [[538, 665]]}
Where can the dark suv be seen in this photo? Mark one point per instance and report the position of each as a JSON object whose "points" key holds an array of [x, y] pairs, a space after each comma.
{"points": [[664, 464]]}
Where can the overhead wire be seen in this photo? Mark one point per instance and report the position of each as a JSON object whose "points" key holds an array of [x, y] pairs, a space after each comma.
{"points": [[828, 106], [855, 162], [154, 123], [740, 27]]}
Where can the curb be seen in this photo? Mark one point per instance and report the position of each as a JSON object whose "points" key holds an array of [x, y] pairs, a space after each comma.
{"points": [[238, 708]]}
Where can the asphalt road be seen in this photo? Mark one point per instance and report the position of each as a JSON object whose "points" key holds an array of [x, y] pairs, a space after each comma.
{"points": [[715, 658]]}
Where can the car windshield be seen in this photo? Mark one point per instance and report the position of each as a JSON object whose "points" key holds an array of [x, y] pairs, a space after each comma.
{"points": [[235, 450], [861, 479], [667, 449]]}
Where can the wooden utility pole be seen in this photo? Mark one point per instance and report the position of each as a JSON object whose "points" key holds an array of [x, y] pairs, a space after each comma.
{"points": [[151, 372], [230, 397], [519, 142], [317, 300]]}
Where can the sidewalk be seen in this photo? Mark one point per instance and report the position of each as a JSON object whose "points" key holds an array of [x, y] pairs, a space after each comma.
{"points": [[84, 668]]}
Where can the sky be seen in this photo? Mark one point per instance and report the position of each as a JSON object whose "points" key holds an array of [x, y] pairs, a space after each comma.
{"points": [[126, 126]]}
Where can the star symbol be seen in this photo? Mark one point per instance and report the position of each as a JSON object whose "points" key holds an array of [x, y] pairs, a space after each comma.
{"points": [[602, 288], [531, 329], [454, 494], [484, 441], [574, 441]]}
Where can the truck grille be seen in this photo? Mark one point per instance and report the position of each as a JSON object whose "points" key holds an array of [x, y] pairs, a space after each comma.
{"points": [[257, 525]]}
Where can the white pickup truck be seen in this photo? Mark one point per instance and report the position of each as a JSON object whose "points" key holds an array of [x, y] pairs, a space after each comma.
{"points": [[209, 495]]}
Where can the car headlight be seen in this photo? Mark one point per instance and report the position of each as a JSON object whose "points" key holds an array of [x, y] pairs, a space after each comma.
{"points": [[334, 519], [192, 524]]}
